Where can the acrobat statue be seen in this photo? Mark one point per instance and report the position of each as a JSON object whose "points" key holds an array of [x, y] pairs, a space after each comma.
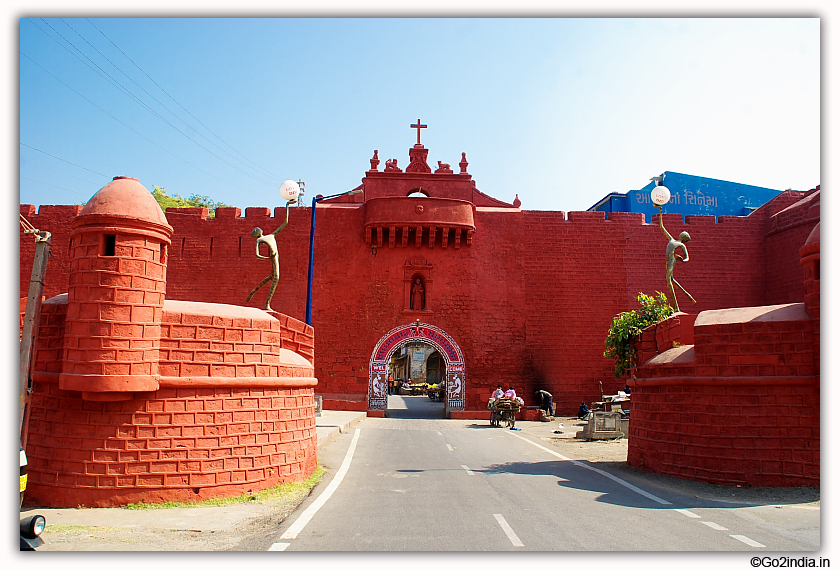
{"points": [[269, 241], [671, 259]]}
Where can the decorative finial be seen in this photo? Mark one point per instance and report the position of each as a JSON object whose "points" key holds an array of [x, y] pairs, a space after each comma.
{"points": [[463, 164]]}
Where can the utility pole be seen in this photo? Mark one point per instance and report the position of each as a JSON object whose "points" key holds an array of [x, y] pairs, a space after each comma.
{"points": [[43, 242]]}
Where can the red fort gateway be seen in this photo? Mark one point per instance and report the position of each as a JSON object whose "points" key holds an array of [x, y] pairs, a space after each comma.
{"points": [[502, 294]]}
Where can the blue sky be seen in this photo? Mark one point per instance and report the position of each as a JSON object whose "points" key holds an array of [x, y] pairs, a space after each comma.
{"points": [[561, 111]]}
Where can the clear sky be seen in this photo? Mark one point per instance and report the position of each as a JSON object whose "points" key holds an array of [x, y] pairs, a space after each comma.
{"points": [[561, 111]]}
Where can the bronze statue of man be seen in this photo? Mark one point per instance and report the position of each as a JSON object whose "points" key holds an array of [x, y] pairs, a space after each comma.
{"points": [[671, 258], [271, 243]]}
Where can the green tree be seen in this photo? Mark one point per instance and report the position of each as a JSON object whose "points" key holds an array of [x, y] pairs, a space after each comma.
{"points": [[165, 201], [629, 324]]}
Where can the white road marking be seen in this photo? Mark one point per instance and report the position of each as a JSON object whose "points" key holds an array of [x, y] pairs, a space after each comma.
{"points": [[279, 546], [688, 513], [449, 447], [307, 515], [439, 433], [713, 525], [508, 531], [468, 470], [596, 470], [747, 541]]}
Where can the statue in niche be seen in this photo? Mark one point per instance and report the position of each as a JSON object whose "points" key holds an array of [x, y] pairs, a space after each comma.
{"points": [[391, 165], [418, 297], [671, 258], [273, 255]]}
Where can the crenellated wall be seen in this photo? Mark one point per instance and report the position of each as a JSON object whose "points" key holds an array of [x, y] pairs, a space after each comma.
{"points": [[529, 300]]}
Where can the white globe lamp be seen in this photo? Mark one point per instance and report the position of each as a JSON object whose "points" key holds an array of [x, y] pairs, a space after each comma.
{"points": [[290, 191], [660, 195]]}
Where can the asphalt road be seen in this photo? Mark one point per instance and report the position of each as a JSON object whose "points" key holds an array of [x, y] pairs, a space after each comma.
{"points": [[402, 484]]}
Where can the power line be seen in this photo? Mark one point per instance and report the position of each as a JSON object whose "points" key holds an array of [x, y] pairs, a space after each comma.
{"points": [[179, 104], [159, 102], [61, 159], [58, 171], [53, 185], [119, 86], [133, 130]]}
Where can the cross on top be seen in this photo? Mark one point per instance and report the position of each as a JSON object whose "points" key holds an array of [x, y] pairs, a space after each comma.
{"points": [[418, 126]]}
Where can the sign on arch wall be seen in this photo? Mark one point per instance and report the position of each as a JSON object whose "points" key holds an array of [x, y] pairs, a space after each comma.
{"points": [[406, 334]]}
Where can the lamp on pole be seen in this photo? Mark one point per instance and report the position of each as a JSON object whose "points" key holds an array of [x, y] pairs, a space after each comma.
{"points": [[315, 200], [660, 195]]}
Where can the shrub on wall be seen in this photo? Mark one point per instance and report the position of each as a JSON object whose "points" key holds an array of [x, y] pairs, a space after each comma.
{"points": [[627, 325], [165, 201]]}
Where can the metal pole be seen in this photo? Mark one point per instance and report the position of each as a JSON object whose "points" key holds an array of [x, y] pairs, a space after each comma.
{"points": [[315, 201], [31, 318], [311, 264]]}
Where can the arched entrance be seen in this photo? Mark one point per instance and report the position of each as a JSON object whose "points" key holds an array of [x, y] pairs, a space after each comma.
{"points": [[454, 373]]}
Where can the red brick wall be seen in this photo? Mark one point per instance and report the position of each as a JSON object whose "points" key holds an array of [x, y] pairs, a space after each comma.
{"points": [[728, 432], [56, 220], [744, 410], [234, 413], [787, 231], [529, 301], [583, 271], [176, 444]]}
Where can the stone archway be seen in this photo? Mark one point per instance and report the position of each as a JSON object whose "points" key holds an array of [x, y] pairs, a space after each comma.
{"points": [[411, 333]]}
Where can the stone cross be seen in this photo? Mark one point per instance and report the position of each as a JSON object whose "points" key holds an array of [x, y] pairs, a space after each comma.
{"points": [[418, 126]]}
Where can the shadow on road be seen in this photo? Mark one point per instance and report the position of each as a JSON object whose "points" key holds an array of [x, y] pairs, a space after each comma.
{"points": [[681, 494]]}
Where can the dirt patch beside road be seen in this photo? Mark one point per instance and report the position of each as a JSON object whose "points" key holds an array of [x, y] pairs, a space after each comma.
{"points": [[187, 528]]}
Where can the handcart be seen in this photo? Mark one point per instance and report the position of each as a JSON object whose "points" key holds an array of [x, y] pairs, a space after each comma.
{"points": [[504, 410]]}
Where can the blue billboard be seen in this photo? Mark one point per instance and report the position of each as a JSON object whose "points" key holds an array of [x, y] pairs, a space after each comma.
{"points": [[691, 195]]}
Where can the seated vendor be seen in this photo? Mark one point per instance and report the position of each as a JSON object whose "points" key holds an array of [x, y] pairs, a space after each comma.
{"points": [[583, 411]]}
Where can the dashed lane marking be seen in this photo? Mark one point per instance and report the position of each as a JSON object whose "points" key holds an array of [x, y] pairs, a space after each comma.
{"points": [[747, 541], [688, 513], [714, 525], [514, 540], [279, 546], [467, 469], [449, 447]]}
